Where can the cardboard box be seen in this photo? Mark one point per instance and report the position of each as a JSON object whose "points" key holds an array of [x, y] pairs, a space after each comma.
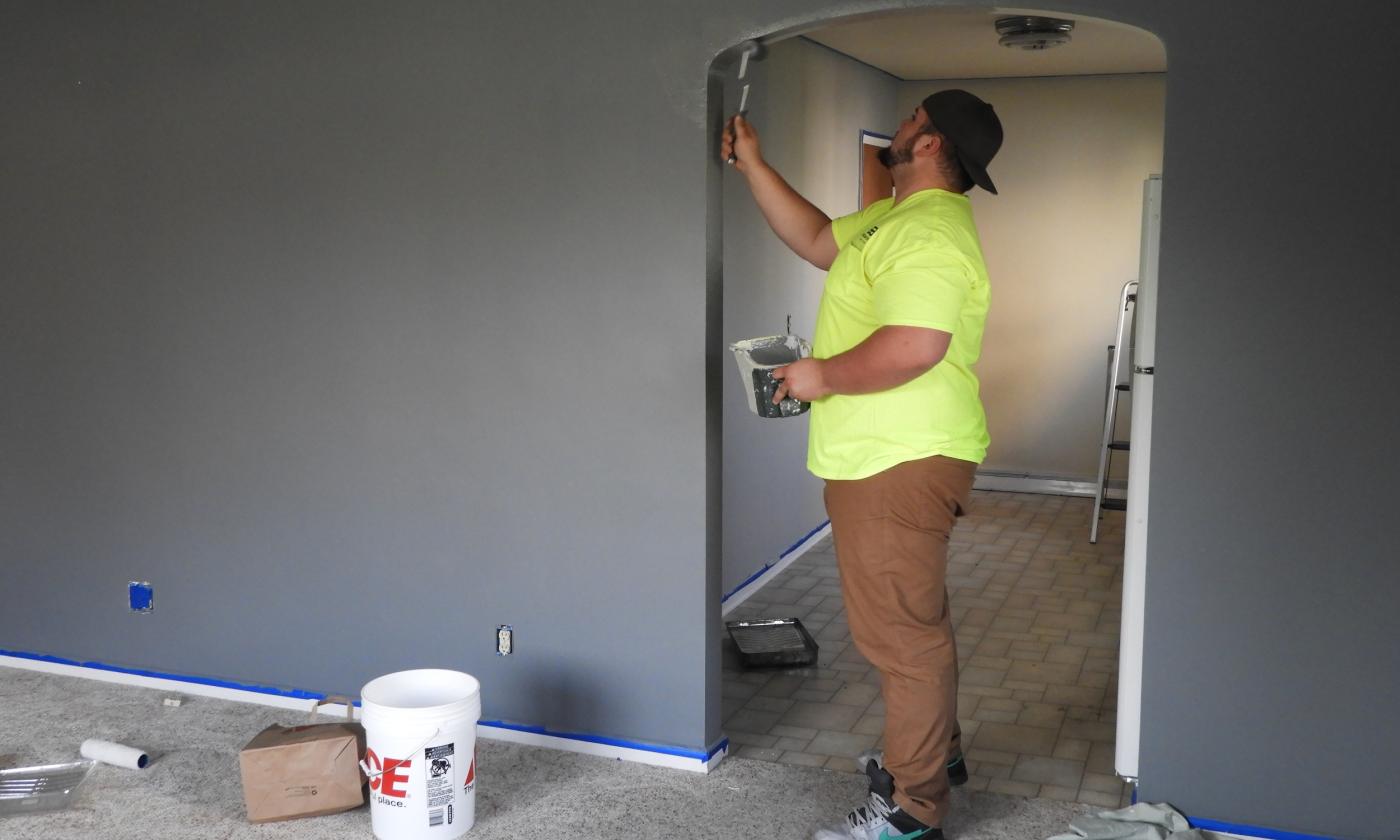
{"points": [[303, 771]]}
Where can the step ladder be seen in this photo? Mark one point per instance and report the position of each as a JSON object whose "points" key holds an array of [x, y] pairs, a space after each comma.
{"points": [[1117, 384]]}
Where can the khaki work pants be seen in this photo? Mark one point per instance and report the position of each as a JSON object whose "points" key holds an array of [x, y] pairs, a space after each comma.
{"points": [[891, 532]]}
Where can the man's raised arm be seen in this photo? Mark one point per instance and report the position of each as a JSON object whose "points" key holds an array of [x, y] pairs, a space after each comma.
{"points": [[797, 222]]}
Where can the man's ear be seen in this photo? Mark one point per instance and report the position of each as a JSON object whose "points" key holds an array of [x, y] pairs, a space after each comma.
{"points": [[928, 145]]}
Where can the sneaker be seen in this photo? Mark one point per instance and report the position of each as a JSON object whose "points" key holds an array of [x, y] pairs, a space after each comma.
{"points": [[957, 767], [880, 818]]}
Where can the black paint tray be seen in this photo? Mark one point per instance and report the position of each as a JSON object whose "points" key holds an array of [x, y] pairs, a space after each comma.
{"points": [[773, 642]]}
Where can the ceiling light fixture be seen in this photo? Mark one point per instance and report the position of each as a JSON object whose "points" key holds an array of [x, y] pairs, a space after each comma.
{"points": [[1033, 33]]}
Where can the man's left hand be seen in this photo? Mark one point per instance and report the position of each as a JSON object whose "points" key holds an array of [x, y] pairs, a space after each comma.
{"points": [[801, 380]]}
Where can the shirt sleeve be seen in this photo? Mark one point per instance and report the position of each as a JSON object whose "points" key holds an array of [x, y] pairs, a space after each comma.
{"points": [[917, 279], [846, 228]]}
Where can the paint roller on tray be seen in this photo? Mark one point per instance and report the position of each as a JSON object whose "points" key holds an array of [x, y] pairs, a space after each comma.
{"points": [[748, 51], [51, 787]]}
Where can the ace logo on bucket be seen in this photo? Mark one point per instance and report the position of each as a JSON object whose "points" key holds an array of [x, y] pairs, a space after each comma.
{"points": [[386, 780]]}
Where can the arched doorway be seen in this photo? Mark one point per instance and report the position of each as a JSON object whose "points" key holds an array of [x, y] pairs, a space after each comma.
{"points": [[1037, 606]]}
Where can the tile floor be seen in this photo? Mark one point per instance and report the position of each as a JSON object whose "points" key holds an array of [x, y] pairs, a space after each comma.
{"points": [[1036, 611]]}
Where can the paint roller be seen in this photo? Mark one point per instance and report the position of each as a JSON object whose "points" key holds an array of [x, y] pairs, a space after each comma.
{"points": [[749, 51], [117, 755]]}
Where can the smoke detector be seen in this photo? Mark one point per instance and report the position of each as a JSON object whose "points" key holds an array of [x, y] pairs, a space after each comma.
{"points": [[1033, 33]]}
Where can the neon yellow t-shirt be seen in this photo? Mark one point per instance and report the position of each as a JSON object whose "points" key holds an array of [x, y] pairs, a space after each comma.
{"points": [[919, 265]]}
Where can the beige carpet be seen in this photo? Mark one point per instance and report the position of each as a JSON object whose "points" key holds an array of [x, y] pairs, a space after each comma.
{"points": [[192, 790]]}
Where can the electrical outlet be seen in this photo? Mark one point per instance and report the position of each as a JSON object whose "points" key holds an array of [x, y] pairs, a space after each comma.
{"points": [[505, 640], [140, 596]]}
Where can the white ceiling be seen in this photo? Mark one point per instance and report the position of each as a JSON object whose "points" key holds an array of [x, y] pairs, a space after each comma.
{"points": [[962, 44]]}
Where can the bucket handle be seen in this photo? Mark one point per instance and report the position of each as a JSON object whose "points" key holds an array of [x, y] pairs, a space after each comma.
{"points": [[334, 698], [364, 765]]}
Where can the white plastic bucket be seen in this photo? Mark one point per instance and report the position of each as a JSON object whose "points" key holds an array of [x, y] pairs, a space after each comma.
{"points": [[420, 738]]}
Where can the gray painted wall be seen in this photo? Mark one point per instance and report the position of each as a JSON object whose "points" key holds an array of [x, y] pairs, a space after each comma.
{"points": [[357, 333], [356, 337], [808, 104]]}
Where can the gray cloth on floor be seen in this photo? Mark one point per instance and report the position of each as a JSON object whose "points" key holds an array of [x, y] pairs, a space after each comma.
{"points": [[1143, 821]]}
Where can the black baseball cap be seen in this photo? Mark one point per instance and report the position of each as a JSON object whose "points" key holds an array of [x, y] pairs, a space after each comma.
{"points": [[973, 128]]}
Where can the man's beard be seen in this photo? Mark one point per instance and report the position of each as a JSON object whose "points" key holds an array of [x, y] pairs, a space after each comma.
{"points": [[891, 157]]}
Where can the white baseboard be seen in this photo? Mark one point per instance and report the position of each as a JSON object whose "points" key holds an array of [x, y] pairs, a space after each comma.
{"points": [[693, 762], [655, 755], [1043, 485], [170, 684], [767, 573]]}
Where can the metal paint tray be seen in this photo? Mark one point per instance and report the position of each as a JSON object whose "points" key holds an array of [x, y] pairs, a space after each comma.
{"points": [[25, 790], [767, 643]]}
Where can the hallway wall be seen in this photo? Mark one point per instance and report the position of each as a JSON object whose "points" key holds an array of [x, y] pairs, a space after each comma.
{"points": [[1061, 238]]}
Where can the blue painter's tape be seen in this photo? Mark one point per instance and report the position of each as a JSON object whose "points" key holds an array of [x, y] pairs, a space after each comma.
{"points": [[311, 695], [721, 745], [296, 693], [766, 566], [1253, 831], [798, 544], [140, 595], [680, 752], [750, 579]]}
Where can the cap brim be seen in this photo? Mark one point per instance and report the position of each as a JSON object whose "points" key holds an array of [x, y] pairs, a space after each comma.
{"points": [[978, 174]]}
